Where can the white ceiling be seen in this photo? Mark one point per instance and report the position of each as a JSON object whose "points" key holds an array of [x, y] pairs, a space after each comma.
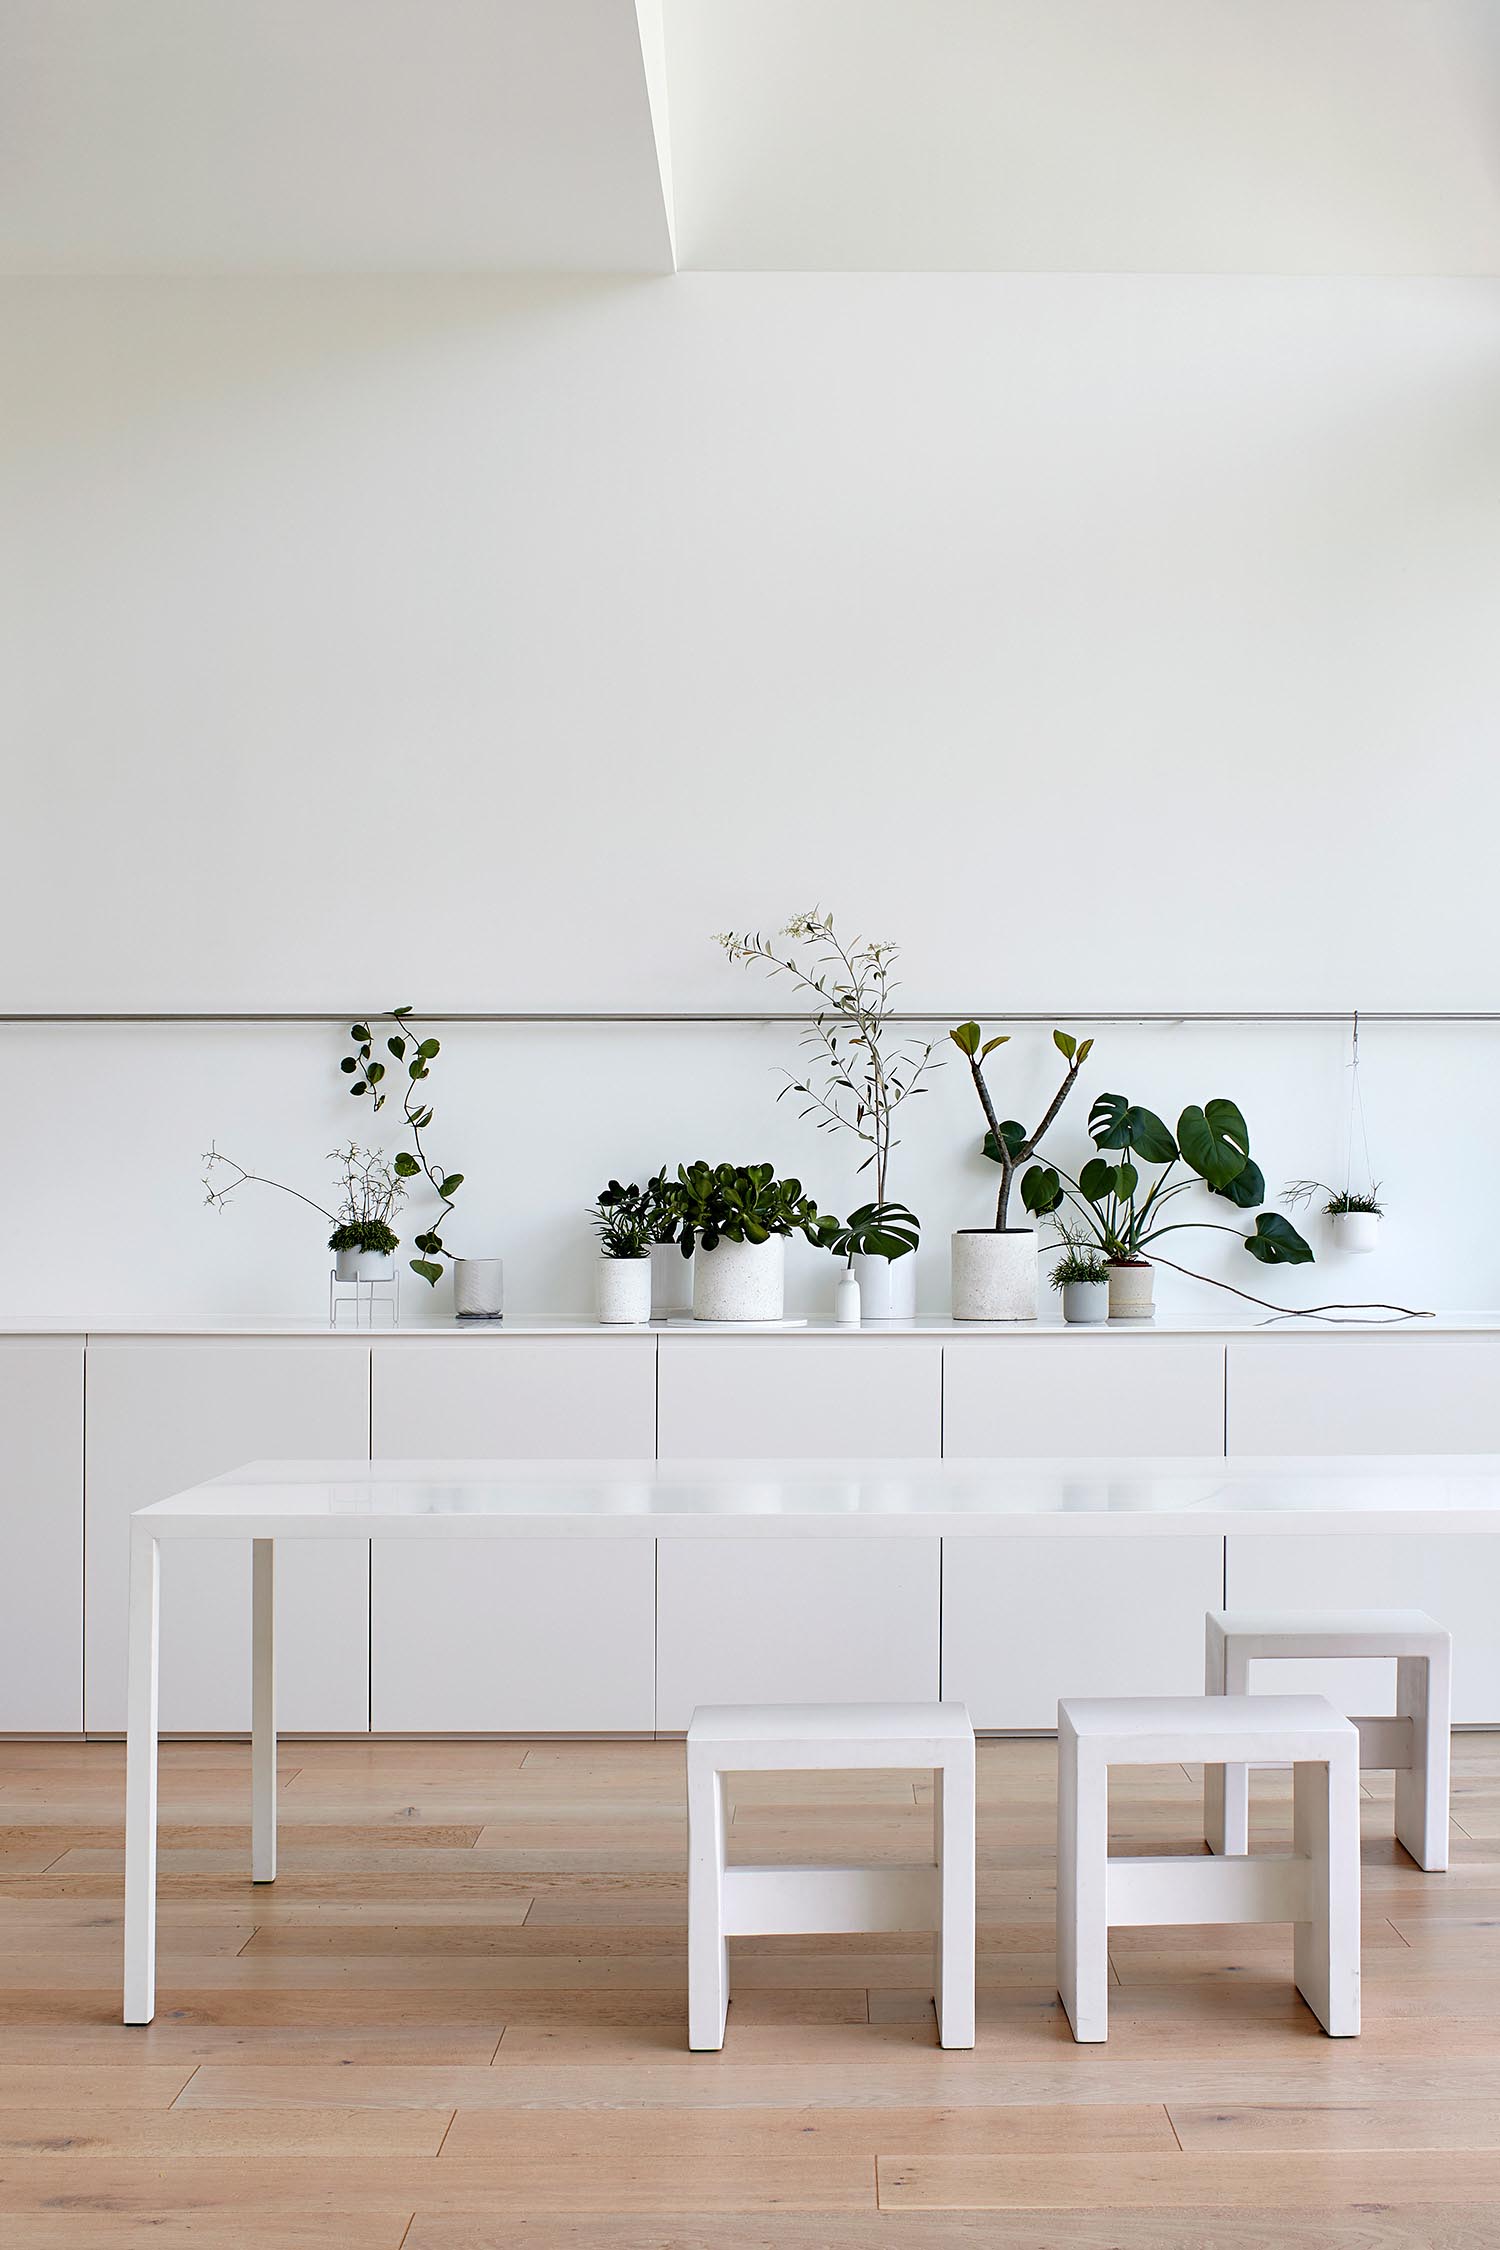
{"points": [[1283, 136], [327, 135]]}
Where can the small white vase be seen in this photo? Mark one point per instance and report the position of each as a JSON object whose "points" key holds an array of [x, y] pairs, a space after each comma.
{"points": [[887, 1286], [671, 1281], [740, 1280], [1354, 1231], [478, 1288], [846, 1300], [623, 1289], [1085, 1302], [1131, 1284], [994, 1273], [374, 1265]]}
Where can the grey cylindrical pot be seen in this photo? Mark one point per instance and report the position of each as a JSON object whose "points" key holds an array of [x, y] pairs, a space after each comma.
{"points": [[1131, 1284], [671, 1281], [478, 1288], [994, 1273], [739, 1280], [1085, 1302]]}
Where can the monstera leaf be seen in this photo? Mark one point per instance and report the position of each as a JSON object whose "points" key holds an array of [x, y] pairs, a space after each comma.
{"points": [[1041, 1190], [1014, 1137], [1276, 1242], [1215, 1140], [1098, 1179], [1248, 1187], [1116, 1123]]}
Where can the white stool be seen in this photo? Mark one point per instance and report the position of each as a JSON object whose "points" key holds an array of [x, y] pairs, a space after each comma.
{"points": [[1414, 1745], [1315, 1886], [725, 1902]]}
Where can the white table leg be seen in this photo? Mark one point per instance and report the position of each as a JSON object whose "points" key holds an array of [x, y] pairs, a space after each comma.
{"points": [[140, 1779], [708, 1949], [1226, 1789], [953, 1827], [1082, 1885], [1325, 1949], [263, 1712], [1424, 1695]]}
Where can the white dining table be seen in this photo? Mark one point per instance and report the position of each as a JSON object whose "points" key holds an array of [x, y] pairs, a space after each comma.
{"points": [[268, 1503]]}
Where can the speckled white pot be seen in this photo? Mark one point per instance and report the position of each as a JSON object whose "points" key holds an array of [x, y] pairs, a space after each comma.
{"points": [[1131, 1290], [671, 1281], [622, 1288], [1354, 1231], [994, 1273], [1084, 1302], [887, 1286], [740, 1280]]}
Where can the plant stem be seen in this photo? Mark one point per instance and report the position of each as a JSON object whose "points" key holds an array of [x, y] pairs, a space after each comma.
{"points": [[1300, 1312]]}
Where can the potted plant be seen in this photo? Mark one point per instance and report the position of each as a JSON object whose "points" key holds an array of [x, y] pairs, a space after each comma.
{"points": [[1083, 1278], [1353, 1215], [877, 1235], [363, 1241], [622, 1277], [734, 1221], [863, 1075], [671, 1275], [994, 1268], [1123, 1215]]}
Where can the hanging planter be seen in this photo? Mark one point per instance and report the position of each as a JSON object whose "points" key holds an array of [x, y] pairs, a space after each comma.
{"points": [[1353, 1214]]}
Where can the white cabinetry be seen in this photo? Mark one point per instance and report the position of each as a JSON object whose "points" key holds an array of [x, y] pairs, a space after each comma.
{"points": [[41, 1534], [1454, 1577], [166, 1412], [1355, 1394], [474, 1398], [513, 1637], [807, 1620], [1083, 1393], [1026, 1620], [739, 1398]]}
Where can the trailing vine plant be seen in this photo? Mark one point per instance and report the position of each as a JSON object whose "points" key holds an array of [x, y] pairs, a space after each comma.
{"points": [[413, 1055]]}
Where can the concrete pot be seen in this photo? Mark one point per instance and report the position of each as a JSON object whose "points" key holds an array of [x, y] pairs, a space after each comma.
{"points": [[1131, 1287], [1354, 1231], [478, 1288], [994, 1273], [740, 1280], [671, 1281], [887, 1286], [374, 1265], [622, 1288], [1085, 1302]]}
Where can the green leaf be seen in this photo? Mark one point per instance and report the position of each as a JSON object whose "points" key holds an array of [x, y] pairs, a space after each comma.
{"points": [[1247, 1188], [348, 1066], [397, 1047], [1085, 1051], [1041, 1190], [1215, 1141], [1276, 1242], [1127, 1180], [451, 1185], [1116, 1123], [406, 1166], [375, 1072], [359, 1031], [1001, 1039], [1096, 1180], [359, 1087], [1065, 1044], [429, 1272], [1014, 1137], [966, 1038], [428, 1049], [406, 1011]]}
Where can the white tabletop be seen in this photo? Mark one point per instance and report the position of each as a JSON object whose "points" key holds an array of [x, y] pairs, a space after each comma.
{"points": [[717, 1499]]}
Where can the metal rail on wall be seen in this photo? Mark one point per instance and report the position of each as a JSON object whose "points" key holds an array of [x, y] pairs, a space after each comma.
{"points": [[769, 1015]]}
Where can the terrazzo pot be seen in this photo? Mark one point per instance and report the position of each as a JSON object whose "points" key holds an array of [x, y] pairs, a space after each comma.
{"points": [[739, 1280], [1132, 1283], [994, 1273], [622, 1288]]}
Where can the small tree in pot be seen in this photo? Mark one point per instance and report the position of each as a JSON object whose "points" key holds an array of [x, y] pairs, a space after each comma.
{"points": [[994, 1268], [737, 1218]]}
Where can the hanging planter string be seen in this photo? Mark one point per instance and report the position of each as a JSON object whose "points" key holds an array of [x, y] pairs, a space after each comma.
{"points": [[1357, 1119]]}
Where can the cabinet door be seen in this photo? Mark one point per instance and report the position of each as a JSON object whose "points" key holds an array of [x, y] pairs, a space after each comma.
{"points": [[740, 1399], [41, 1534], [513, 1636], [1082, 1393], [166, 1412], [473, 1398], [1454, 1576], [1375, 1394], [852, 1620], [1028, 1620]]}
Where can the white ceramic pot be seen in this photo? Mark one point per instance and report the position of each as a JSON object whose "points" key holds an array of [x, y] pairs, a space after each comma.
{"points": [[622, 1287], [1085, 1301], [887, 1286], [1355, 1231], [740, 1280], [846, 1300], [1131, 1285], [994, 1273], [374, 1265], [345, 1265], [671, 1281], [478, 1288]]}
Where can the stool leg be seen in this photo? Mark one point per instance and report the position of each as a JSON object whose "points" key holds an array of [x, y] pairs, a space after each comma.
{"points": [[1082, 1879], [1424, 1695], [1226, 1789], [953, 1840], [1325, 1949], [708, 1950]]}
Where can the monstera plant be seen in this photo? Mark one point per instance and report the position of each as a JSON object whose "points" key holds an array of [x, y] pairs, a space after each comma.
{"points": [[1126, 1211]]}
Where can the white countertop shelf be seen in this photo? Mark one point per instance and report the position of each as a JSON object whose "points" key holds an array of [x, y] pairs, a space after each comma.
{"points": [[481, 1334]]}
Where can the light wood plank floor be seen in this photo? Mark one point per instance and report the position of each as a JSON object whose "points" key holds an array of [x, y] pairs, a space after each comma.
{"points": [[457, 2023]]}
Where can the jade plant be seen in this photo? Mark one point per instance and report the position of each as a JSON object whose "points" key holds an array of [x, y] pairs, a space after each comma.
{"points": [[1124, 1212], [414, 1055], [1006, 1142], [741, 1203]]}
